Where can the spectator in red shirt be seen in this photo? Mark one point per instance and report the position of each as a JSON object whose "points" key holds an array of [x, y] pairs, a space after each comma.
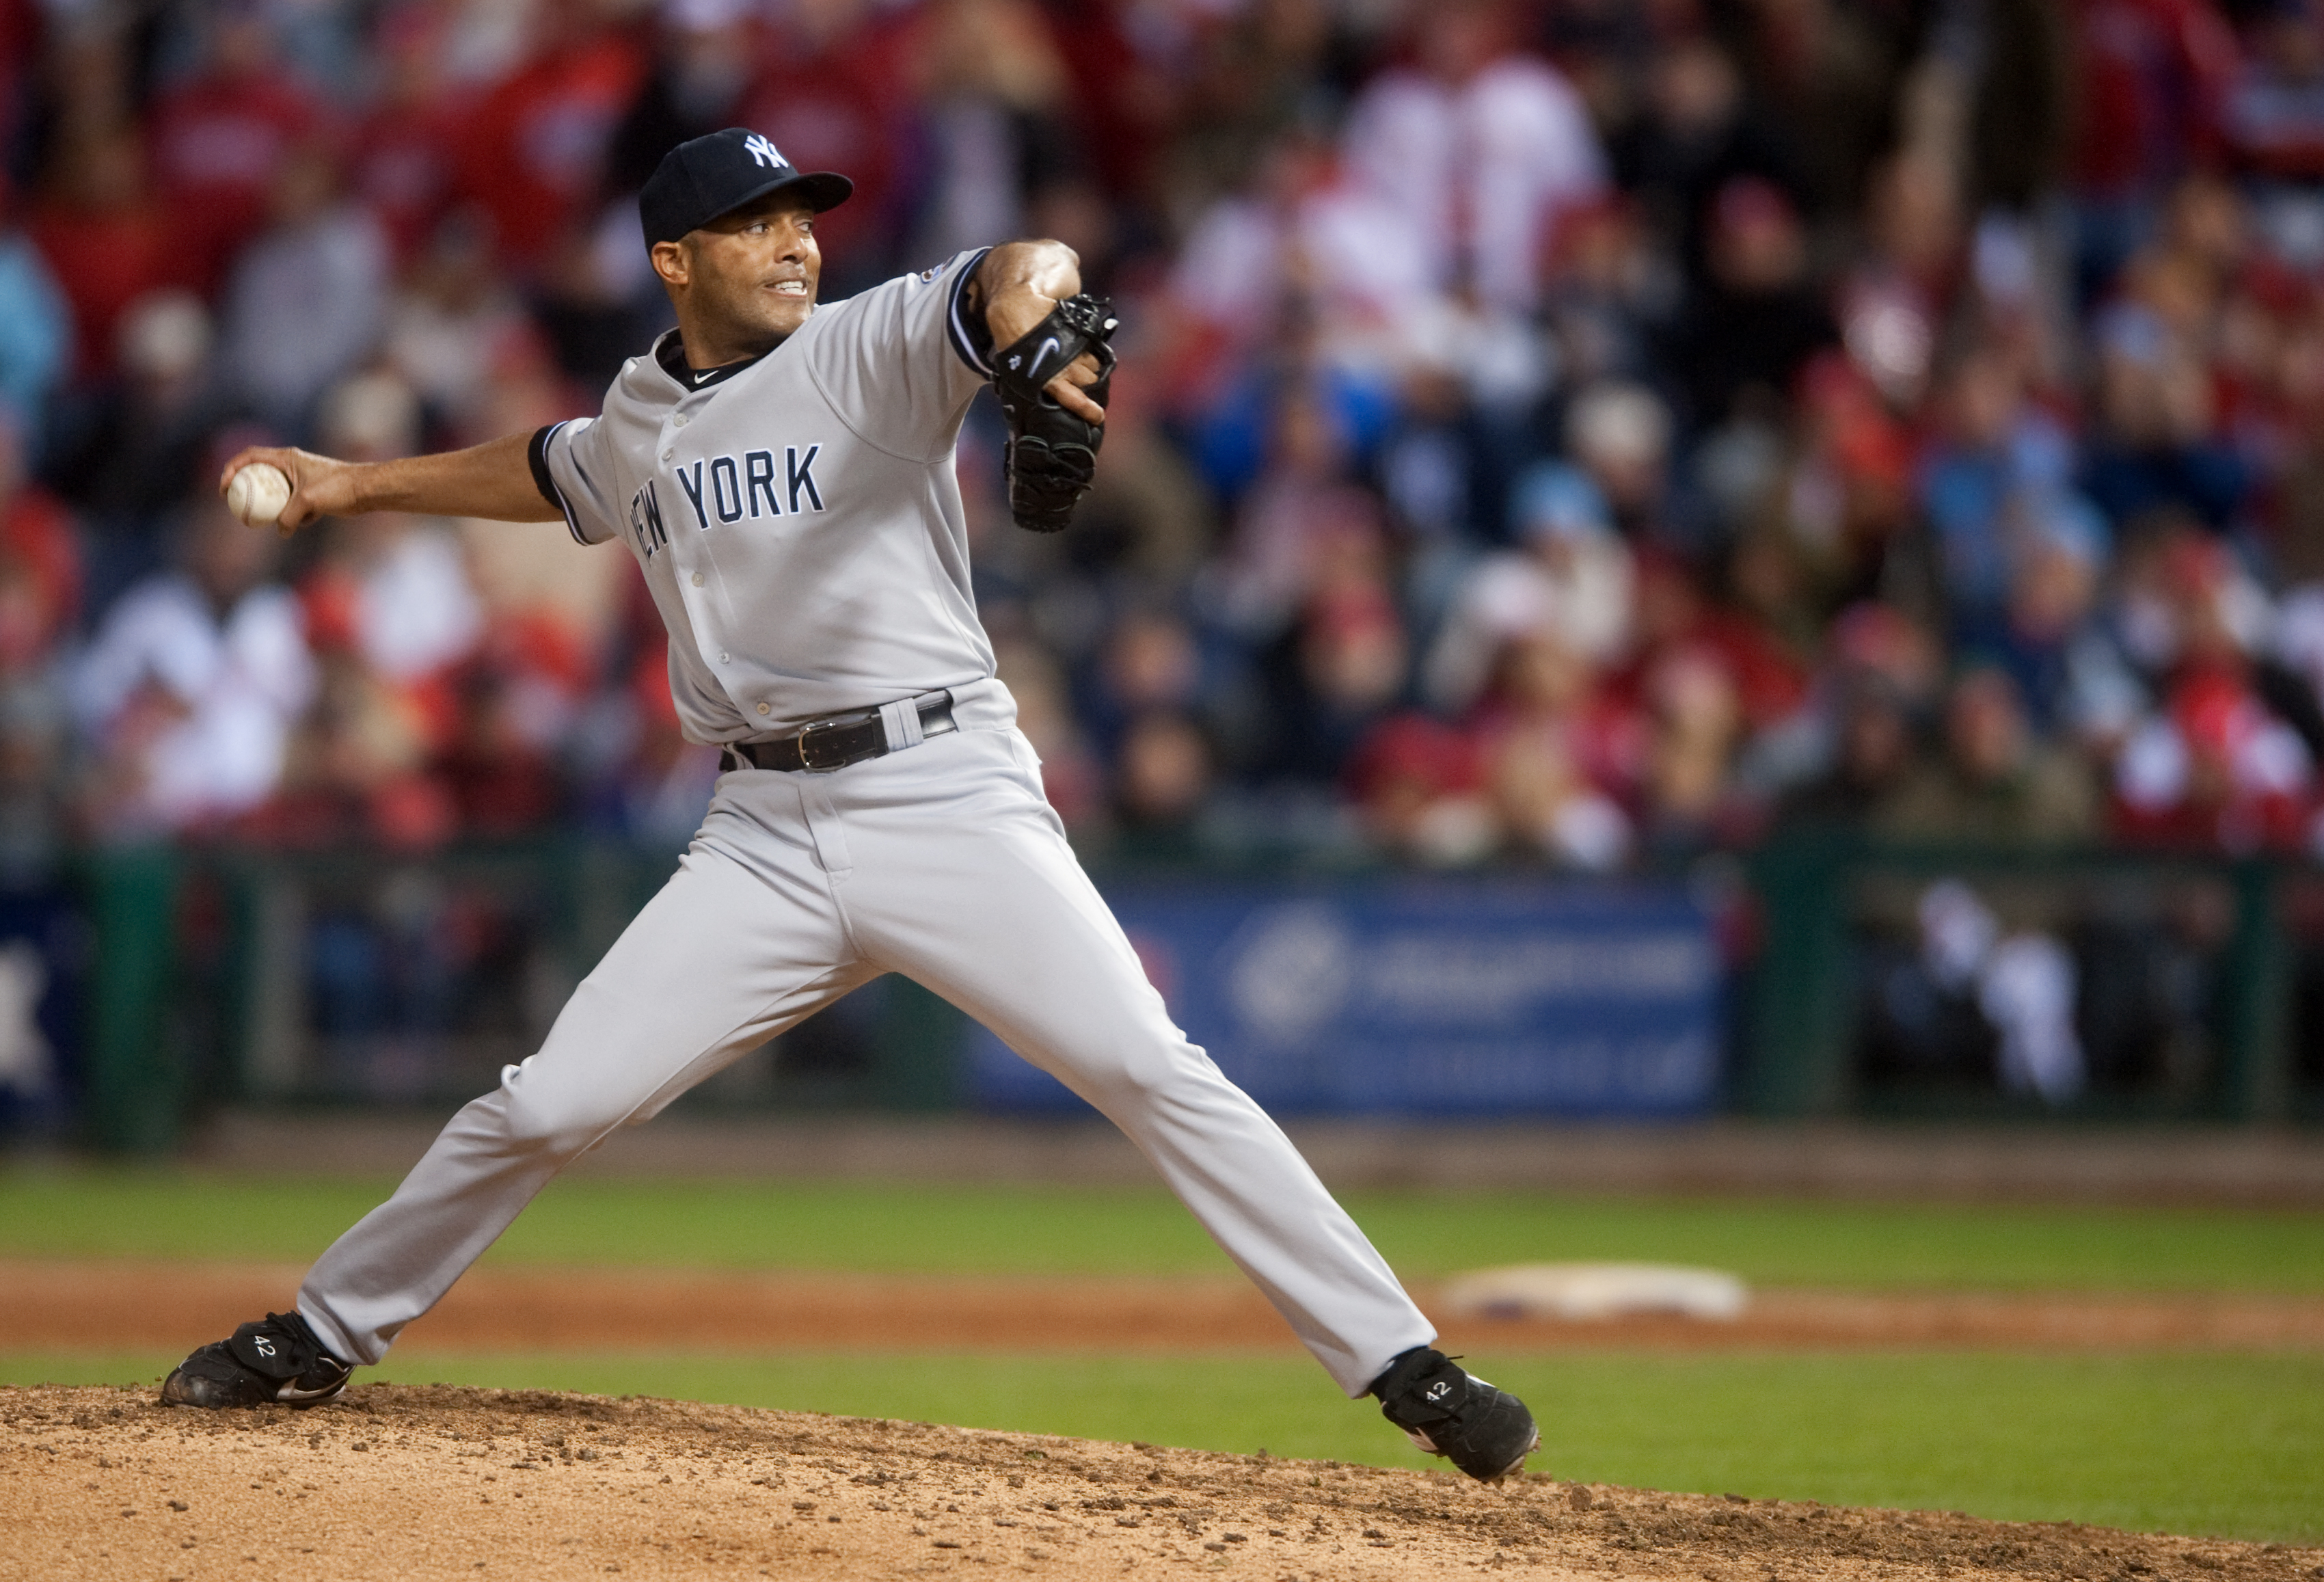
{"points": [[40, 585], [1257, 63], [2216, 771], [20, 32], [831, 93], [1685, 790], [500, 778], [220, 140], [2150, 76], [1419, 786], [1555, 746], [37, 539], [405, 153], [105, 241], [532, 155]]}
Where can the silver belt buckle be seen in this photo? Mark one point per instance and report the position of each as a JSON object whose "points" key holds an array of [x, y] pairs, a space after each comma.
{"points": [[807, 757]]}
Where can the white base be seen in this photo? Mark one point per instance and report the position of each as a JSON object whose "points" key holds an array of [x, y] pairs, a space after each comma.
{"points": [[1584, 1291]]}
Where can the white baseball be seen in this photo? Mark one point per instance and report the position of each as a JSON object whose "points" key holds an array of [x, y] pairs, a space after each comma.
{"points": [[258, 493]]}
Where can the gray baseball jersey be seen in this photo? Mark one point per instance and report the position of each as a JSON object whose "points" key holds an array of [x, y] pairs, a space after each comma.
{"points": [[798, 517]]}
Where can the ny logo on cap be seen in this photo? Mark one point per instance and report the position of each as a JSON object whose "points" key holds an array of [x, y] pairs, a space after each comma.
{"points": [[762, 151]]}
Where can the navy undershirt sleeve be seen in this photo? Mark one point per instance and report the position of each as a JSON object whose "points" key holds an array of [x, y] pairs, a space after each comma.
{"points": [[537, 453]]}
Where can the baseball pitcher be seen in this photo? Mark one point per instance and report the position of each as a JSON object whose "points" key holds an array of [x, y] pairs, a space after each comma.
{"points": [[783, 474]]}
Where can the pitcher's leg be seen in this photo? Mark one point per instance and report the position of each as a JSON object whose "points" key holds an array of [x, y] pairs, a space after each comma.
{"points": [[995, 914], [717, 962]]}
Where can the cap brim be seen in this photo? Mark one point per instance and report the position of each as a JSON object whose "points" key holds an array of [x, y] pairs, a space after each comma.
{"points": [[823, 190]]}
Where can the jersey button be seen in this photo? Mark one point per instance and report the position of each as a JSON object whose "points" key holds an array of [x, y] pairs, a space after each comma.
{"points": [[765, 709], [679, 421], [668, 455], [721, 658], [697, 579]]}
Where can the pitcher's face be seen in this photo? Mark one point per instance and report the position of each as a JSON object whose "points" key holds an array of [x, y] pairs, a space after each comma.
{"points": [[749, 276]]}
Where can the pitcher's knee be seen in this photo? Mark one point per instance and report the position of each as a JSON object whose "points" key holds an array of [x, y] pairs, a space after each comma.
{"points": [[1140, 1074], [554, 1119], [564, 1097]]}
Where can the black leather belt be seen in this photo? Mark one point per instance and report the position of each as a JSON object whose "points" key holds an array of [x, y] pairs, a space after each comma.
{"points": [[835, 741]]}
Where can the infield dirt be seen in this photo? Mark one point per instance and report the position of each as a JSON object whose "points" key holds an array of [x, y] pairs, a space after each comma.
{"points": [[404, 1482]]}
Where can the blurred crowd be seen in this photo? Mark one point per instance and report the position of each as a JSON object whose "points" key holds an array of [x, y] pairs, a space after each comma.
{"points": [[1574, 431]]}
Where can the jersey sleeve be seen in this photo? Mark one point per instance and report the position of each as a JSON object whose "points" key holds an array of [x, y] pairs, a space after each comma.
{"points": [[899, 363], [572, 469]]}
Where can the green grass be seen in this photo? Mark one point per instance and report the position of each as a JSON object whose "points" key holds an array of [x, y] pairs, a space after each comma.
{"points": [[2231, 1445], [1001, 1229]]}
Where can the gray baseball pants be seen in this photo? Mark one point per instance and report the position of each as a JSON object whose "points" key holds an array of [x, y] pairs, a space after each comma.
{"points": [[945, 864]]}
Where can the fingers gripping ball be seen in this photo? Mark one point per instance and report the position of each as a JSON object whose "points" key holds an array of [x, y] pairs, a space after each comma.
{"points": [[258, 493], [1052, 455]]}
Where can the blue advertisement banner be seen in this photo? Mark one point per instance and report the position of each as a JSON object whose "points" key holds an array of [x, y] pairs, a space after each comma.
{"points": [[1420, 998]]}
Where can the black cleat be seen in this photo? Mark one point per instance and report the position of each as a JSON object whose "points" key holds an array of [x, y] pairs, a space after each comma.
{"points": [[1448, 1411], [277, 1361]]}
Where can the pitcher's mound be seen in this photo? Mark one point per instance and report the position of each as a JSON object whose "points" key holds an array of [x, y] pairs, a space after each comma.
{"points": [[404, 1482]]}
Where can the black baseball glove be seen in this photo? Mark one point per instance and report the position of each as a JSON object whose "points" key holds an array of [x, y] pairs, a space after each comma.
{"points": [[1051, 453]]}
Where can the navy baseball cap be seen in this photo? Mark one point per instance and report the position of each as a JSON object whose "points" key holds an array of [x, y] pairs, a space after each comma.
{"points": [[706, 177]]}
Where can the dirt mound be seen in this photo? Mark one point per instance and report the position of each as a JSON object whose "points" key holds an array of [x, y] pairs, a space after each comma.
{"points": [[400, 1481], [170, 1307]]}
